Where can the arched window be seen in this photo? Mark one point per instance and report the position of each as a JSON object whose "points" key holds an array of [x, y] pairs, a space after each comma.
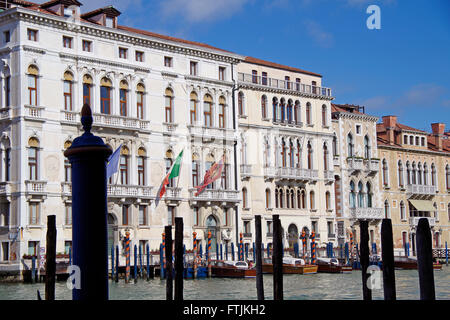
{"points": [[195, 169], [408, 173], [33, 73], [400, 174], [289, 111], [425, 174], [168, 161], [360, 195], [7, 87], [385, 173], [447, 176], [327, 200], [67, 84], [105, 96], [140, 91], [6, 145], [349, 145], [291, 154], [292, 199], [387, 213], [369, 195], [288, 202], [275, 109], [266, 152], [123, 98], [325, 157], [448, 211], [433, 175], [419, 173], [276, 198], [282, 110], [297, 117], [402, 210], [169, 112], [414, 173], [193, 109], [299, 155], [87, 85], [411, 140], [67, 166], [366, 147], [281, 194], [335, 149], [141, 156], [303, 194], [283, 152], [309, 147], [123, 165], [33, 158], [207, 110], [308, 113], [324, 115], [241, 103], [299, 200], [405, 139], [244, 198], [352, 195], [312, 204], [264, 107], [267, 198], [222, 114]]}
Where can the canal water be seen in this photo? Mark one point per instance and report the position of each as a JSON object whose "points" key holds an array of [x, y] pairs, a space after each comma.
{"points": [[321, 286]]}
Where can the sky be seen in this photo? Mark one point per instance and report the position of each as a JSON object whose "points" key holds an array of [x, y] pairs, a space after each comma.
{"points": [[401, 69]]}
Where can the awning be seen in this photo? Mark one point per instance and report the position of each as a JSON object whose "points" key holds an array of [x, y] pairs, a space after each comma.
{"points": [[422, 205]]}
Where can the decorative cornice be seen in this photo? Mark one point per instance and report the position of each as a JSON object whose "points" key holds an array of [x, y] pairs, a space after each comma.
{"points": [[33, 49], [396, 148], [246, 85], [169, 74], [355, 116], [286, 129], [103, 62], [197, 79]]}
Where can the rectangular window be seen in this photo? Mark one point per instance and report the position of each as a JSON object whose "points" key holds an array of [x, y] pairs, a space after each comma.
{"points": [[330, 227], [314, 226], [67, 42], [32, 34], [422, 141], [168, 62], [168, 109], [269, 227], [7, 36], [105, 100], [123, 102], [264, 79], [123, 53], [170, 215], [68, 95], [68, 12], [221, 116], [8, 91], [254, 76], [7, 164], [193, 111], [288, 82], [34, 212], [140, 105], [124, 170], [195, 169], [109, 22], [33, 247], [67, 171], [222, 73], [195, 209], [141, 170], [125, 214], [207, 114], [139, 56], [87, 93], [297, 84], [32, 163], [68, 214], [32, 89], [247, 228], [142, 215], [5, 251], [67, 246], [87, 45], [224, 177], [193, 68]]}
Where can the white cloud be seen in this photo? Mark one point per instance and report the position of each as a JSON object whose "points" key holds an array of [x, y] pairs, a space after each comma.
{"points": [[201, 10], [320, 36]]}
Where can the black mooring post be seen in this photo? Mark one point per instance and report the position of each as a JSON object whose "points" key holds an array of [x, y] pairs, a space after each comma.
{"points": [[88, 157], [50, 263], [425, 260], [169, 264], [179, 265], [387, 256], [364, 257], [258, 259], [277, 259]]}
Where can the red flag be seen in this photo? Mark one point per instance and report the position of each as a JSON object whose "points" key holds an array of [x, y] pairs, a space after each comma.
{"points": [[211, 175], [162, 189]]}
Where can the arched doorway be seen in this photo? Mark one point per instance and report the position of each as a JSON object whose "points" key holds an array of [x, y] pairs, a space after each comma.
{"points": [[292, 235], [211, 225], [112, 228]]}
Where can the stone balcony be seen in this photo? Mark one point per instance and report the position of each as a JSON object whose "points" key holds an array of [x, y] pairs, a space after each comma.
{"points": [[173, 193], [421, 191], [371, 166], [328, 175], [120, 122], [36, 187], [215, 195], [355, 165], [297, 174], [129, 191], [414, 221], [211, 133], [5, 188], [169, 128], [246, 171], [35, 113], [5, 113], [66, 188], [367, 213], [270, 172]]}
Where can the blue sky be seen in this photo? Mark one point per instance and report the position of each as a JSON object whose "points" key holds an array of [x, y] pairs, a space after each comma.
{"points": [[401, 69]]}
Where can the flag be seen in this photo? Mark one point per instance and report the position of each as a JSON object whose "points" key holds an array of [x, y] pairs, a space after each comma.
{"points": [[174, 171], [113, 162], [211, 175]]}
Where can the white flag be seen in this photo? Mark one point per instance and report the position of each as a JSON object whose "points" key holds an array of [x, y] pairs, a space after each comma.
{"points": [[113, 163]]}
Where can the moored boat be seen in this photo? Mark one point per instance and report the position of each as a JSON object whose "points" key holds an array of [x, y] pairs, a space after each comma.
{"points": [[404, 263], [232, 269], [331, 265], [291, 266]]}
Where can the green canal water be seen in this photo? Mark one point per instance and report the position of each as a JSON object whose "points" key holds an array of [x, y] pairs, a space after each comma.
{"points": [[320, 286]]}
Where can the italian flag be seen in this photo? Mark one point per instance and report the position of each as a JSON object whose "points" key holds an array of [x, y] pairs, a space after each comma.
{"points": [[174, 172]]}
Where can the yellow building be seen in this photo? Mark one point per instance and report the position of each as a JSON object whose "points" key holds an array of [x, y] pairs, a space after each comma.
{"points": [[414, 181]]}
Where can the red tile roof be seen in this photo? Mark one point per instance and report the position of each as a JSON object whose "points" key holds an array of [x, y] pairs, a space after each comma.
{"points": [[345, 108], [278, 66]]}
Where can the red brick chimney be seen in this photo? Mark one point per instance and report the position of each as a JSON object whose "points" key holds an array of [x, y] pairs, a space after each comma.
{"points": [[438, 132], [389, 122]]}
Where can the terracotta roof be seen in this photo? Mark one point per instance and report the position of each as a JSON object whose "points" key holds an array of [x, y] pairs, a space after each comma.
{"points": [[345, 108], [24, 3], [52, 2], [278, 66], [109, 10]]}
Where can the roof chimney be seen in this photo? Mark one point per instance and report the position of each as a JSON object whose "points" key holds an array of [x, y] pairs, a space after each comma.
{"points": [[389, 123], [438, 132]]}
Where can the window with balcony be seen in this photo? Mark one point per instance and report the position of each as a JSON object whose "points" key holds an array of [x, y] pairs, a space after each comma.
{"points": [[297, 112], [105, 96], [425, 174], [288, 82], [34, 212], [32, 35], [140, 92], [282, 109], [141, 167], [123, 98], [314, 87], [369, 195], [33, 73], [222, 73], [224, 177], [139, 56], [433, 175], [222, 114], [360, 195], [168, 161], [67, 42], [299, 155], [254, 76], [349, 145], [67, 170], [87, 85], [289, 111], [126, 214], [195, 170], [264, 78], [366, 147], [86, 45], [297, 84], [207, 110], [169, 105], [123, 165], [33, 162], [275, 109], [193, 68], [352, 195], [68, 85]]}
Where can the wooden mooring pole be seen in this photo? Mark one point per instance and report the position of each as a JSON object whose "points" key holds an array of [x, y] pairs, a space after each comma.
{"points": [[277, 259], [258, 259], [425, 260], [364, 259], [387, 256], [50, 263], [179, 265], [169, 265]]}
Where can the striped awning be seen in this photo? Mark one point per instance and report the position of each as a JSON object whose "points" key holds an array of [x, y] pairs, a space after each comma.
{"points": [[422, 205]]}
